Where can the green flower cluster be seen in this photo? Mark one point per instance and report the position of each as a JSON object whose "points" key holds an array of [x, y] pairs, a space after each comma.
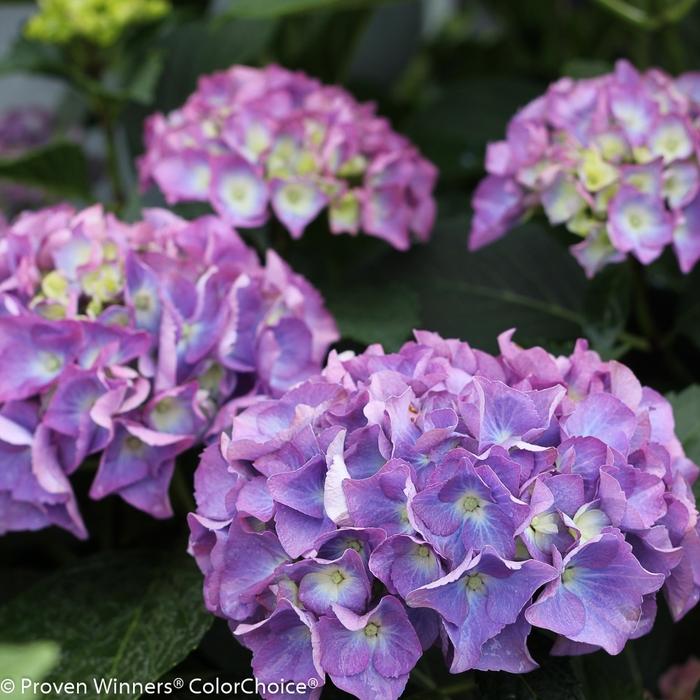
{"points": [[99, 21]]}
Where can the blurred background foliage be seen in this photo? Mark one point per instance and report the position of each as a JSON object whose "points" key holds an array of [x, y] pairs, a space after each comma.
{"points": [[450, 74]]}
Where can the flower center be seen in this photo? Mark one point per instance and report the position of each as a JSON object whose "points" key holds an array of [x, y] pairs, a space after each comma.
{"points": [[142, 301], [165, 405], [294, 195], [568, 574], [372, 629], [476, 583], [238, 193], [337, 577], [470, 504], [132, 443], [423, 551], [51, 361], [635, 220]]}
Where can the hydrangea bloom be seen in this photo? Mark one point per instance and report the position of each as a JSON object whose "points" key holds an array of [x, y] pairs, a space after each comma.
{"points": [[441, 495], [97, 21], [130, 344], [613, 158], [250, 140]]}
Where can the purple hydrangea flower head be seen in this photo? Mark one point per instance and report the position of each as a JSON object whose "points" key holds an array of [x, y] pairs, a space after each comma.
{"points": [[132, 343], [253, 141], [613, 158], [441, 495]]}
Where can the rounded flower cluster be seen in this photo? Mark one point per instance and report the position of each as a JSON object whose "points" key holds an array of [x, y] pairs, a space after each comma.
{"points": [[613, 158], [100, 22], [441, 495], [253, 139], [129, 344]]}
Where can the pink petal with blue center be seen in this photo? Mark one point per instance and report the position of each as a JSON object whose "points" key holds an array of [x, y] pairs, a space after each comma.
{"points": [[639, 224], [586, 602], [238, 192]]}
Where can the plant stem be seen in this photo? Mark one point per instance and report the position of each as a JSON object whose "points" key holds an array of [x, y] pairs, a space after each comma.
{"points": [[647, 324], [106, 112]]}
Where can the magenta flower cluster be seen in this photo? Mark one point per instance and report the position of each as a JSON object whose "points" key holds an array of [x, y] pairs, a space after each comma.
{"points": [[253, 139], [127, 344], [441, 495], [613, 158]]}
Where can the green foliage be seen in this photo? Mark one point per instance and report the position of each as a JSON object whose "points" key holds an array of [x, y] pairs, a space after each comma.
{"points": [[686, 410], [365, 321], [213, 44], [461, 117], [131, 616], [33, 661], [525, 281], [450, 76], [554, 681], [280, 8], [59, 168]]}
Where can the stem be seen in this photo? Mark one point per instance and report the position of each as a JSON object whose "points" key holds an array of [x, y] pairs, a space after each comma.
{"points": [[629, 13], [649, 328], [633, 666], [641, 306], [109, 127]]}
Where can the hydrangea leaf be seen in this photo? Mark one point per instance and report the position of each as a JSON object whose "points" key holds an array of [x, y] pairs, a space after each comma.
{"points": [[471, 113], [686, 409], [556, 680], [522, 281], [199, 47], [280, 8], [363, 319], [59, 168], [131, 616], [33, 661]]}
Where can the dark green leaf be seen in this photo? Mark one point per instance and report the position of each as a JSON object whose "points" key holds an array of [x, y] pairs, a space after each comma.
{"points": [[200, 47], [526, 281], [607, 309], [59, 168], [33, 57], [136, 78], [367, 314], [383, 50], [19, 661], [280, 8], [686, 409], [131, 616], [554, 681], [454, 128]]}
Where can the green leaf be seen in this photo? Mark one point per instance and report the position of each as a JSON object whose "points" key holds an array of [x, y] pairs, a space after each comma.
{"points": [[198, 48], [686, 410], [134, 78], [280, 8], [131, 616], [455, 126], [366, 313], [59, 168], [554, 681], [32, 661], [527, 280]]}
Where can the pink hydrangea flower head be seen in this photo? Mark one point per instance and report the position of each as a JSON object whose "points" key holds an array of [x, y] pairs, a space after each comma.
{"points": [[254, 141], [443, 496], [132, 343], [613, 158]]}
